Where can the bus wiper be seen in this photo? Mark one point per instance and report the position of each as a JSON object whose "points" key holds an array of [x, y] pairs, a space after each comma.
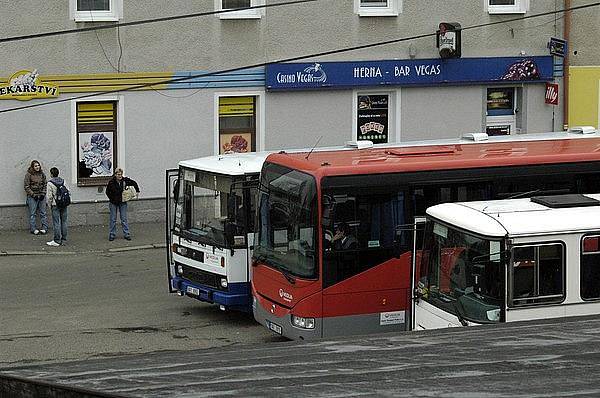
{"points": [[287, 274], [461, 319]]}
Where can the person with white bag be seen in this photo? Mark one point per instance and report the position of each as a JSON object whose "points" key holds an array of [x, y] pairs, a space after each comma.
{"points": [[119, 191]]}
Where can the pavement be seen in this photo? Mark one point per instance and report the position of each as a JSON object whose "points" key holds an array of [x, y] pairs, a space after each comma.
{"points": [[83, 239]]}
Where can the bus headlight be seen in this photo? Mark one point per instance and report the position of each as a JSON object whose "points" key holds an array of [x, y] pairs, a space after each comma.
{"points": [[304, 323], [223, 282], [182, 251], [179, 269], [493, 315]]}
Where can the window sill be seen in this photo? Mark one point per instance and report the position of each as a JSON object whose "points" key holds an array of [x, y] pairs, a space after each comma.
{"points": [[96, 19], [377, 13], [239, 15], [496, 12]]}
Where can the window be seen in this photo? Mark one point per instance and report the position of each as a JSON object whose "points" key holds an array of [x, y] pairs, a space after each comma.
{"points": [[537, 274], [360, 230], [377, 8], [237, 124], [373, 120], [589, 275], [96, 142], [507, 6], [96, 10], [242, 14]]}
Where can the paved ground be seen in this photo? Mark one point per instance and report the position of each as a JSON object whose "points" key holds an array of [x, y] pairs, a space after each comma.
{"points": [[82, 239], [540, 359], [93, 298]]}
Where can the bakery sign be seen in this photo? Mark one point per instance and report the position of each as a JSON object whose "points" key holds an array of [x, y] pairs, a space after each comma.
{"points": [[25, 85]]}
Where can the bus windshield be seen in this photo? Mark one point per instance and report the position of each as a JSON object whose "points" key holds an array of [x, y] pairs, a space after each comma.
{"points": [[206, 205], [287, 215], [461, 273]]}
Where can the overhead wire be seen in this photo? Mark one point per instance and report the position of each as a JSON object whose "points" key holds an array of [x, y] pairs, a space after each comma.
{"points": [[295, 58], [147, 21]]}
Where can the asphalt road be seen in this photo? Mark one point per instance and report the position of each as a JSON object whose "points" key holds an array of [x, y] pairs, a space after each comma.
{"points": [[96, 305]]}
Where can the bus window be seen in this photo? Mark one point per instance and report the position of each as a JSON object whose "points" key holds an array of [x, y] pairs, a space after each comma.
{"points": [[368, 222], [537, 274], [426, 196], [589, 276]]}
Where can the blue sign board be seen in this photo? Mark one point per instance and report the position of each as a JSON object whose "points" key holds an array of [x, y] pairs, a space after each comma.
{"points": [[321, 75]]}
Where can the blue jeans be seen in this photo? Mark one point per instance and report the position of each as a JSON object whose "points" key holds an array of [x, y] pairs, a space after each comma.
{"points": [[59, 224], [35, 206], [112, 228]]}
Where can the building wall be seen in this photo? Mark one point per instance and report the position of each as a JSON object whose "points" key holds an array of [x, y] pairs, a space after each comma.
{"points": [[162, 126], [584, 73]]}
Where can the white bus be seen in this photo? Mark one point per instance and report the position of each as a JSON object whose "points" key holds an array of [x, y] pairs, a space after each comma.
{"points": [[210, 230], [509, 260]]}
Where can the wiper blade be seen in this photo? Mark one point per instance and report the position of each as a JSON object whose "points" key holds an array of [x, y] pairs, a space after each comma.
{"points": [[287, 274], [461, 319]]}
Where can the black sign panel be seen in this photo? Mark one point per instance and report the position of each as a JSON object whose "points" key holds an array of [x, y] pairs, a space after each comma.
{"points": [[373, 118]]}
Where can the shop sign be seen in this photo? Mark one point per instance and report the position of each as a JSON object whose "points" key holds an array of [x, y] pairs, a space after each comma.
{"points": [[498, 130], [323, 75], [25, 85], [557, 47], [373, 118], [552, 93]]}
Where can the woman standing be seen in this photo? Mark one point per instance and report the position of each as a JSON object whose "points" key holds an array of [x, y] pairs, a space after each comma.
{"points": [[35, 188], [114, 192]]}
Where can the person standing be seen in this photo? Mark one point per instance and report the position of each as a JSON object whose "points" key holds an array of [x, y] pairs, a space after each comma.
{"points": [[114, 192], [58, 208], [35, 188]]}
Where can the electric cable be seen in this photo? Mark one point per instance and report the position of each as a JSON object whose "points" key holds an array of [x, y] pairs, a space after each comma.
{"points": [[146, 21]]}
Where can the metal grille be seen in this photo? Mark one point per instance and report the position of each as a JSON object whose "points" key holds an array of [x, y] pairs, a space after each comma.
{"points": [[202, 277]]}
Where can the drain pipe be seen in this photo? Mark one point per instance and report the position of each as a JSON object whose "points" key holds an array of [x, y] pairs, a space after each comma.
{"points": [[566, 31]]}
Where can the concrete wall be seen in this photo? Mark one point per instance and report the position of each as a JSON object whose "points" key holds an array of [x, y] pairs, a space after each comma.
{"points": [[160, 128], [208, 43]]}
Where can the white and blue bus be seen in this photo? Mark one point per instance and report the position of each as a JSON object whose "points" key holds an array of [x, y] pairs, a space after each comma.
{"points": [[210, 228]]}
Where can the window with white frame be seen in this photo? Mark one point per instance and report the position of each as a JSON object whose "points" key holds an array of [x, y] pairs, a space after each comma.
{"points": [[96, 139], [507, 6], [377, 8], [96, 10], [241, 14]]}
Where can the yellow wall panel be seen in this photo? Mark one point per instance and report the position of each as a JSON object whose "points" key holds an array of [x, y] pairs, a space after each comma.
{"points": [[584, 82]]}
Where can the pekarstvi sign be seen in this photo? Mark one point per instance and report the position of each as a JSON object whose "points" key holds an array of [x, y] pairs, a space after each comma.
{"points": [[25, 85]]}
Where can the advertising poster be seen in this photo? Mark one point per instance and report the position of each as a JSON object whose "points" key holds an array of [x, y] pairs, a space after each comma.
{"points": [[235, 142], [96, 154], [373, 118]]}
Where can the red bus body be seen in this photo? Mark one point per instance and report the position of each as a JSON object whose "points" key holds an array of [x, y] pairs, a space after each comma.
{"points": [[378, 298]]}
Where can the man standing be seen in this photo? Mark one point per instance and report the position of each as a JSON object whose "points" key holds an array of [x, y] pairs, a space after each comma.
{"points": [[58, 206], [114, 192]]}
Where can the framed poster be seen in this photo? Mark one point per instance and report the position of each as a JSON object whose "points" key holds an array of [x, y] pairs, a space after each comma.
{"points": [[235, 142], [96, 154], [372, 115]]}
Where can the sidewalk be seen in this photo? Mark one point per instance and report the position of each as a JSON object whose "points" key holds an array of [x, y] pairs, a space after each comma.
{"points": [[83, 239]]}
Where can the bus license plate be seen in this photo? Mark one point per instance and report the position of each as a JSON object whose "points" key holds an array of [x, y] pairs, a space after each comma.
{"points": [[274, 327], [193, 290]]}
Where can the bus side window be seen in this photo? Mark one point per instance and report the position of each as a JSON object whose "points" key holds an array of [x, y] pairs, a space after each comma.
{"points": [[589, 274], [537, 274]]}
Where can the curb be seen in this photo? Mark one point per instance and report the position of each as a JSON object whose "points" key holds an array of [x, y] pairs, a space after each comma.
{"points": [[6, 253]]}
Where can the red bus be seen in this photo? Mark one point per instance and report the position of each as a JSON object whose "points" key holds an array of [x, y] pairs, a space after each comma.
{"points": [[334, 234]]}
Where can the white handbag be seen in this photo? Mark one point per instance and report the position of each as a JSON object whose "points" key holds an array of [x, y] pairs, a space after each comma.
{"points": [[129, 193]]}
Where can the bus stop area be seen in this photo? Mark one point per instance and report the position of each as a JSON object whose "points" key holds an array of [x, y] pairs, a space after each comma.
{"points": [[541, 358]]}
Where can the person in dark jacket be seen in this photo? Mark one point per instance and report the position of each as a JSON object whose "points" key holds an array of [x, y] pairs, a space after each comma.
{"points": [[35, 188], [114, 192]]}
